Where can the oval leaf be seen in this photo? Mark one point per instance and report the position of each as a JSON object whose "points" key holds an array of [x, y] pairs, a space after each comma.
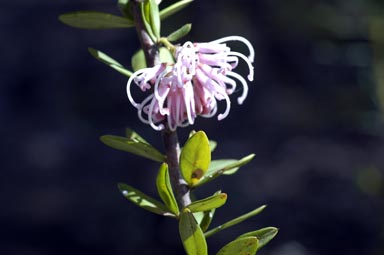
{"points": [[191, 235], [138, 60], [180, 33], [195, 158], [133, 146], [264, 235], [208, 203], [94, 20], [242, 246], [235, 221], [109, 61], [172, 9], [140, 199], [164, 189]]}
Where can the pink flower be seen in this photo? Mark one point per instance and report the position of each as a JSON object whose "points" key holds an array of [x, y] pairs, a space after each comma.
{"points": [[201, 76]]}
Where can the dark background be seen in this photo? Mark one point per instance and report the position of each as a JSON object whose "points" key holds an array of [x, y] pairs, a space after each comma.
{"points": [[313, 116]]}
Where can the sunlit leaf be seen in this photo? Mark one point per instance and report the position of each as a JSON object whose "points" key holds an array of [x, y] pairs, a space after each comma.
{"points": [[133, 146], [195, 158], [264, 235], [223, 166], [144, 201], [191, 235], [109, 61], [235, 221], [179, 33], [94, 20], [174, 8], [208, 203], [242, 246], [164, 189]]}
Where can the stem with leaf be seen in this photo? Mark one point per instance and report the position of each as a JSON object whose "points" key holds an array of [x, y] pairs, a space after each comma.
{"points": [[170, 138]]}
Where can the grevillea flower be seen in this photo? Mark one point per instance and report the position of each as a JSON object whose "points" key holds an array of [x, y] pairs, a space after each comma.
{"points": [[191, 87]]}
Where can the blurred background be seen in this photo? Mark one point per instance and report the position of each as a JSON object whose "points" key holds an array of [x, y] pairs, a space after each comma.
{"points": [[313, 116]]}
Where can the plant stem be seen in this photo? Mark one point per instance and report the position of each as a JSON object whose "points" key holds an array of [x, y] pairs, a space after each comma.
{"points": [[170, 139], [172, 149], [150, 48]]}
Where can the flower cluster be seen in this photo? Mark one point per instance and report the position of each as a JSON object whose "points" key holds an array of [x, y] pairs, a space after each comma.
{"points": [[201, 75]]}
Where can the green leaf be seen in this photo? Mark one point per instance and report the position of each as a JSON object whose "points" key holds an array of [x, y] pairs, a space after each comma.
{"points": [[172, 9], [208, 216], [124, 7], [264, 235], [242, 246], [235, 221], [212, 146], [207, 219], [145, 14], [94, 20], [208, 203], [144, 201], [131, 134], [166, 56], [109, 61], [180, 33], [223, 166], [133, 146], [154, 17], [164, 189], [195, 158], [138, 61], [191, 235]]}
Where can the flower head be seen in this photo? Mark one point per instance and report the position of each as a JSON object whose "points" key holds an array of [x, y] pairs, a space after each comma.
{"points": [[201, 76]]}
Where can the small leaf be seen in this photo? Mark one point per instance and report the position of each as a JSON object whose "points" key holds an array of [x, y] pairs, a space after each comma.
{"points": [[242, 246], [180, 33], [138, 61], [145, 14], [223, 166], [94, 20], [207, 219], [264, 235], [191, 235], [133, 146], [166, 56], [174, 8], [164, 189], [109, 61], [142, 200], [124, 7], [195, 158], [235, 221], [212, 146], [208, 203], [130, 134], [154, 17]]}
